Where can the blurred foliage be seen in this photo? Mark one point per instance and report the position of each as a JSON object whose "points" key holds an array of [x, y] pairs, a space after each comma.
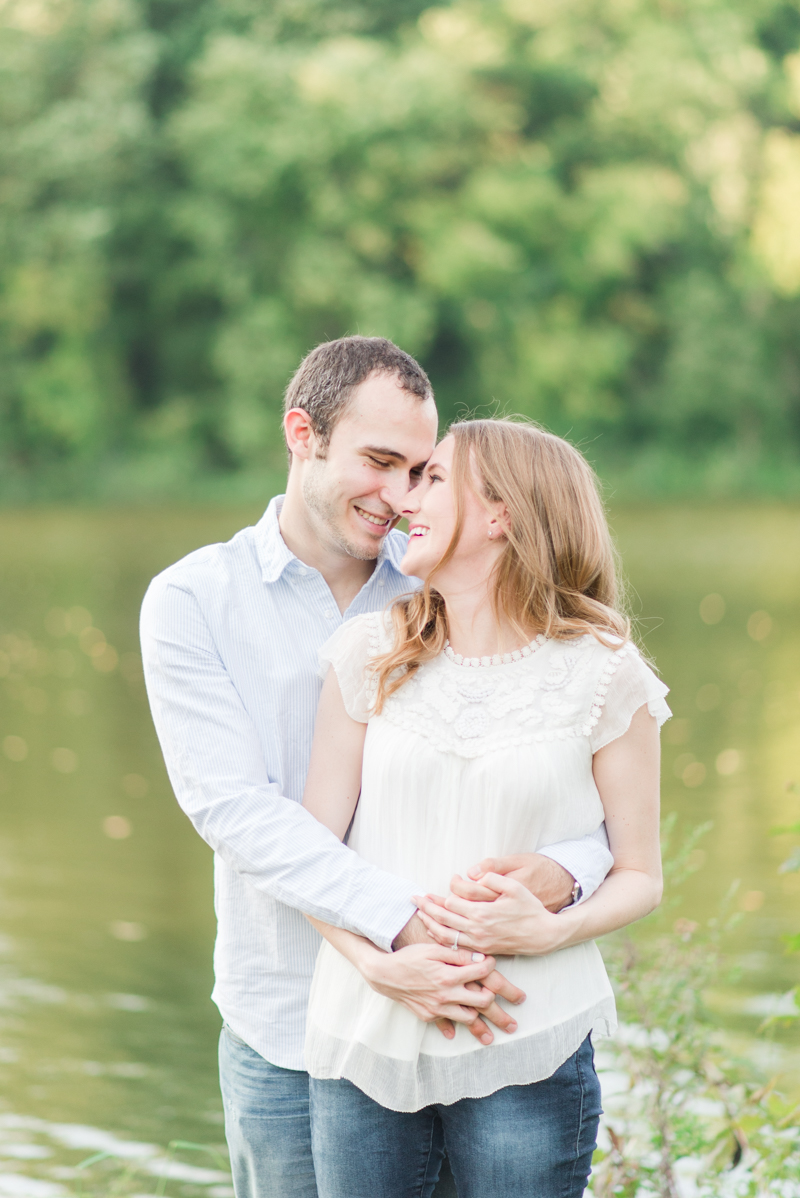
{"points": [[584, 211], [791, 865], [691, 1117]]}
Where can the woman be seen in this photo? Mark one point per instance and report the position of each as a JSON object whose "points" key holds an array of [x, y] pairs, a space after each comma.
{"points": [[499, 710]]}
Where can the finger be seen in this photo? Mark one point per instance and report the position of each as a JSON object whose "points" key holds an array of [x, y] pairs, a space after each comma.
{"points": [[474, 972], [514, 889], [468, 956], [488, 865], [503, 988], [461, 956], [443, 935], [476, 893], [437, 931], [470, 1018], [446, 1027], [500, 1018], [442, 915], [469, 961], [495, 1013], [480, 1031], [478, 998], [459, 906], [501, 884]]}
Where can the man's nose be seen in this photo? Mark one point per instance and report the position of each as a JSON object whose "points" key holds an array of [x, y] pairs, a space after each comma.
{"points": [[411, 500], [396, 494]]}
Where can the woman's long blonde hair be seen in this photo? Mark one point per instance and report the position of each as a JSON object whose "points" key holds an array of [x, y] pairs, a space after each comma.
{"points": [[557, 573]]}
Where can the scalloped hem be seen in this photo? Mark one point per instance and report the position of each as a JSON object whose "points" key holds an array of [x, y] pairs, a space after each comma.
{"points": [[412, 1085]]}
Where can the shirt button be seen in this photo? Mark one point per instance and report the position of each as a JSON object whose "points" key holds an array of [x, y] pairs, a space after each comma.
{"points": [[328, 615], [381, 582]]}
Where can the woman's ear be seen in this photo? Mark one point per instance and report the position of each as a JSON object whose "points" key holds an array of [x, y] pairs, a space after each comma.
{"points": [[500, 522]]}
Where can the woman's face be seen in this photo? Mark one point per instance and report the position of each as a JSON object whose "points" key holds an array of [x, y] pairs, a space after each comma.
{"points": [[431, 513]]}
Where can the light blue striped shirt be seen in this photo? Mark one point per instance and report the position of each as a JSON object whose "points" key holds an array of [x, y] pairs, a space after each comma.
{"points": [[230, 643]]}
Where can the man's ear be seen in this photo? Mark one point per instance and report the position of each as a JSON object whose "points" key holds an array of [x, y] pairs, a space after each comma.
{"points": [[300, 436]]}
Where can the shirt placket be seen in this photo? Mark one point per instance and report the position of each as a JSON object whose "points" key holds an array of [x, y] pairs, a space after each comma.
{"points": [[318, 595]]}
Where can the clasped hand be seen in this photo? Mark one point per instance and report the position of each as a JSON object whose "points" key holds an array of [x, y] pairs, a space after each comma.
{"points": [[491, 913], [446, 986]]}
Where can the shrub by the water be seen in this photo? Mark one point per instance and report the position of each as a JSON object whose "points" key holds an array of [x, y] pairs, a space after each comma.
{"points": [[694, 1119]]}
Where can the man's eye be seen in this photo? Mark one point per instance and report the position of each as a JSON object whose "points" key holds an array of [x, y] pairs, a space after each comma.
{"points": [[375, 462]]}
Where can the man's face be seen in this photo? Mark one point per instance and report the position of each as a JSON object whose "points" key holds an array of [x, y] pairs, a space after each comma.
{"points": [[376, 454]]}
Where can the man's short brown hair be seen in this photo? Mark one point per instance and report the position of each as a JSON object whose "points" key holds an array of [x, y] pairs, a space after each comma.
{"points": [[325, 380]]}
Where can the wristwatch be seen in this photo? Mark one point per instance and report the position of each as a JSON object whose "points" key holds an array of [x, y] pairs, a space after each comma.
{"points": [[577, 894]]}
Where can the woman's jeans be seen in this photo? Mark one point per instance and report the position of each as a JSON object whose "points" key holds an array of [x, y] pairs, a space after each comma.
{"points": [[533, 1141]]}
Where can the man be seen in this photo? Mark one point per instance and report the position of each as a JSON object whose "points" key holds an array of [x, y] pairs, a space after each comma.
{"points": [[230, 637]]}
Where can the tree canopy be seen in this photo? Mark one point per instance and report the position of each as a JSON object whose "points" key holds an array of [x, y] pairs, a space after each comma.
{"points": [[586, 212]]}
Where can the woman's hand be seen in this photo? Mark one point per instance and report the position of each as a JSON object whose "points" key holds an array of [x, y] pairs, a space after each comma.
{"points": [[439, 984], [497, 915]]}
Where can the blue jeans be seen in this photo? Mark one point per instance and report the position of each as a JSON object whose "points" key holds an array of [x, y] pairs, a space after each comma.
{"points": [[267, 1126], [533, 1141]]}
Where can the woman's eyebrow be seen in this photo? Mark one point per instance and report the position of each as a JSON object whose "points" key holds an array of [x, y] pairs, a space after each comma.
{"points": [[435, 466]]}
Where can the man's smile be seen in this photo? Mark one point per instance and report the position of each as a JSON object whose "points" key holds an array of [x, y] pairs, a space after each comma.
{"points": [[378, 521]]}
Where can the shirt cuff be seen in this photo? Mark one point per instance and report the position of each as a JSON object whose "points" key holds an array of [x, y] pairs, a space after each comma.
{"points": [[384, 915], [588, 860]]}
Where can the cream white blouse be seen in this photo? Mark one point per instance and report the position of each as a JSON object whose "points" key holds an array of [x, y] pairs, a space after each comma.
{"points": [[471, 759]]}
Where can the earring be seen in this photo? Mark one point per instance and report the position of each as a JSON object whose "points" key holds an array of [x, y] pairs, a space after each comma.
{"points": [[491, 534]]}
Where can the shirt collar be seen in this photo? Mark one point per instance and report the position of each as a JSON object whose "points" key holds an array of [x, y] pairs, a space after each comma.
{"points": [[275, 555]]}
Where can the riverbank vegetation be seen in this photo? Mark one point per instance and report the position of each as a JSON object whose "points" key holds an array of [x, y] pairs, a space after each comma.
{"points": [[687, 1117], [581, 211]]}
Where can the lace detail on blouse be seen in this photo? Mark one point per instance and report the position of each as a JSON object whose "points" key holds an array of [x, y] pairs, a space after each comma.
{"points": [[559, 692], [556, 694]]}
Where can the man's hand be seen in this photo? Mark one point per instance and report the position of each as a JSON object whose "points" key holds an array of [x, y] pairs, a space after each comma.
{"points": [[434, 983], [548, 880], [405, 973]]}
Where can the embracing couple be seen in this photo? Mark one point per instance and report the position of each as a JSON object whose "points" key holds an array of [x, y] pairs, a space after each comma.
{"points": [[407, 907]]}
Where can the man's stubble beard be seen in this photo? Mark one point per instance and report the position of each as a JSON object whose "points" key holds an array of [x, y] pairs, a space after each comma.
{"points": [[319, 503]]}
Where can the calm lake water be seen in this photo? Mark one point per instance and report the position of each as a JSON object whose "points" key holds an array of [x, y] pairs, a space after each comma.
{"points": [[107, 1034]]}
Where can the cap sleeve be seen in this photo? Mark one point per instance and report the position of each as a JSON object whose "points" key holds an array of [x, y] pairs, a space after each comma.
{"points": [[625, 685], [349, 651]]}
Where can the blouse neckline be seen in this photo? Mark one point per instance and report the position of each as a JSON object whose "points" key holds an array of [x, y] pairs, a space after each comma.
{"points": [[498, 659]]}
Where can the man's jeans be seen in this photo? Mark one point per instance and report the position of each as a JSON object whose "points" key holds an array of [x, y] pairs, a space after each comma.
{"points": [[267, 1126], [533, 1141]]}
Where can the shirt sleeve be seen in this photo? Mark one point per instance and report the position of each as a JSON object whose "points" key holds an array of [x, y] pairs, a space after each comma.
{"points": [[626, 684], [588, 860], [348, 652], [217, 769]]}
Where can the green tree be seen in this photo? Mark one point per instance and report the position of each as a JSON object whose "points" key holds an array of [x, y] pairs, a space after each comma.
{"points": [[578, 211]]}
